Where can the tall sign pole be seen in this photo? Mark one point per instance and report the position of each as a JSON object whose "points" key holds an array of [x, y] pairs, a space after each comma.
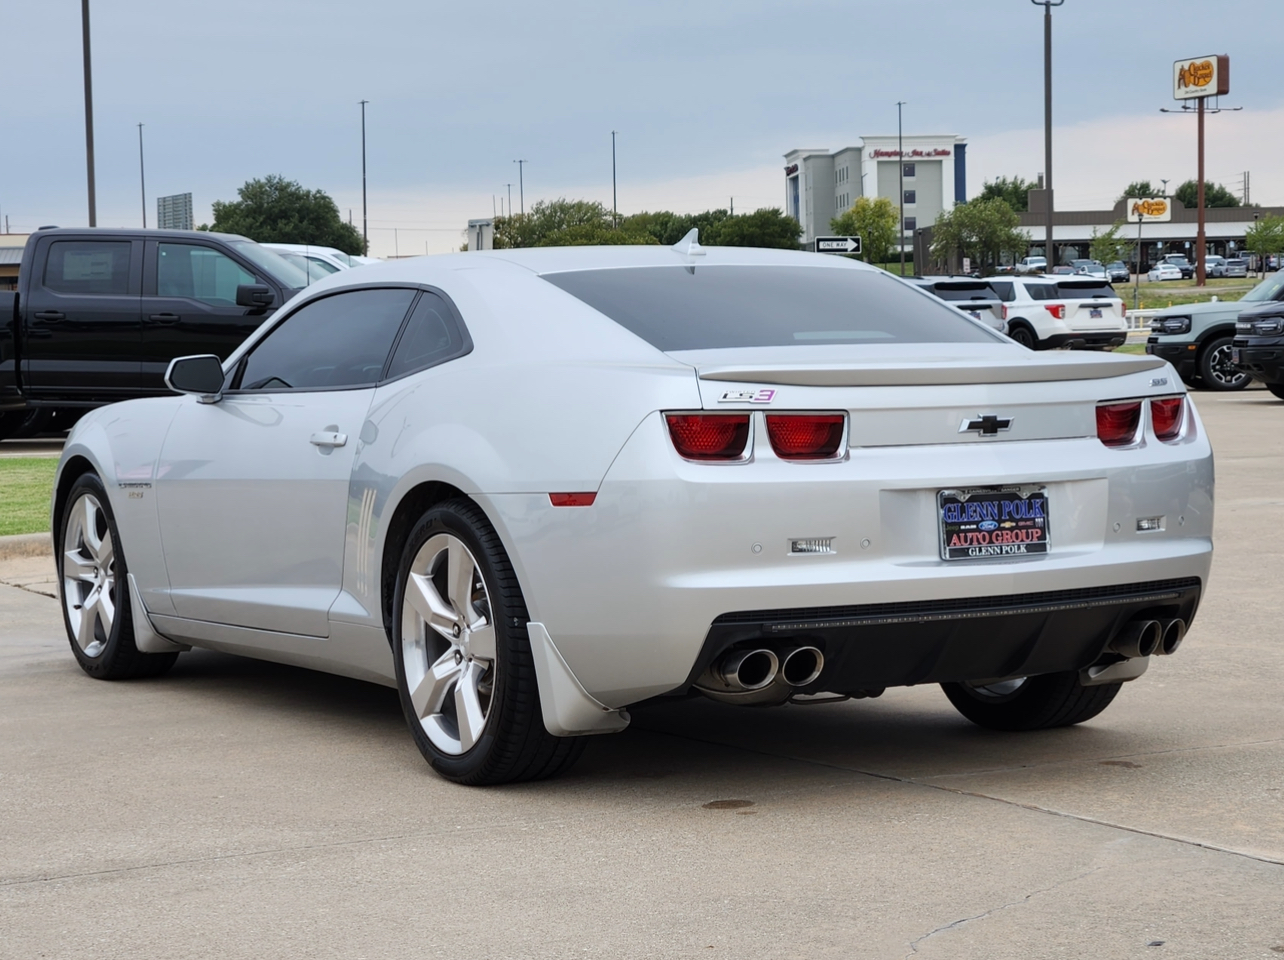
{"points": [[1047, 119], [1198, 79], [89, 113]]}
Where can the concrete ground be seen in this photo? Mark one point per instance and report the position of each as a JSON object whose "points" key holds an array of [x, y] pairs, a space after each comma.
{"points": [[239, 809]]}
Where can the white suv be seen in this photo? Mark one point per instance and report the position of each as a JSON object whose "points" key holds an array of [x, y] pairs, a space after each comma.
{"points": [[1045, 312]]}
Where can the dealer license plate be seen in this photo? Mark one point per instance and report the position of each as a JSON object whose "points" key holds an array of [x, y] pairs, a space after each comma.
{"points": [[993, 522], [1095, 313]]}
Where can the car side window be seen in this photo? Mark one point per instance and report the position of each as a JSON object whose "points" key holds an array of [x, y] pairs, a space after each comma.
{"points": [[431, 337], [342, 340], [198, 273], [88, 267]]}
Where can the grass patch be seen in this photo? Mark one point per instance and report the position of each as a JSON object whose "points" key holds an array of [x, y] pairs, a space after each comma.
{"points": [[1131, 348], [26, 487]]}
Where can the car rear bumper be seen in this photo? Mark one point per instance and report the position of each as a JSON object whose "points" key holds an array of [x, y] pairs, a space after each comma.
{"points": [[1260, 357], [676, 560], [1086, 340]]}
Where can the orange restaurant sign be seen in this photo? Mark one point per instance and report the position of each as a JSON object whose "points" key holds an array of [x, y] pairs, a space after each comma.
{"points": [[1148, 209], [1201, 77]]}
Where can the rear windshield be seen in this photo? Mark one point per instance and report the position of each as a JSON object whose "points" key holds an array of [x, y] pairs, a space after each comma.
{"points": [[1085, 289], [965, 291], [700, 308]]}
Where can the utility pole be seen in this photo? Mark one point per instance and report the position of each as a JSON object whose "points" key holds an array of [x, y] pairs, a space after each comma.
{"points": [[365, 223], [521, 185], [900, 160], [733, 206], [510, 198], [89, 113], [142, 178], [1047, 119], [615, 207]]}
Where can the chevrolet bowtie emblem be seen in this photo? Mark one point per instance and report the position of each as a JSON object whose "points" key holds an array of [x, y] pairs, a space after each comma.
{"points": [[986, 426]]}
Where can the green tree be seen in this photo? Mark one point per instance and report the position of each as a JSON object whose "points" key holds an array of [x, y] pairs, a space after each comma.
{"points": [[873, 219], [1215, 195], [1138, 188], [276, 210], [1266, 236], [1110, 246], [982, 231], [765, 227], [1015, 190]]}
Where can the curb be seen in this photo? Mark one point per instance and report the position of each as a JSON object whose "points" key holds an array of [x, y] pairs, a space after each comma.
{"points": [[26, 545]]}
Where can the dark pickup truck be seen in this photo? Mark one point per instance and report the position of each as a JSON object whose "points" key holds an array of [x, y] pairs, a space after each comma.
{"points": [[99, 314]]}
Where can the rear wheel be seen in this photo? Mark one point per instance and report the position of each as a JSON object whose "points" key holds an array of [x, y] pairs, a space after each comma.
{"points": [[95, 590], [463, 657], [1217, 370], [1031, 703], [1024, 336]]}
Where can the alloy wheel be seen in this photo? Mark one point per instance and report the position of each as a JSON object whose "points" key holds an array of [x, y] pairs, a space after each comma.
{"points": [[1223, 371], [448, 644], [89, 575]]}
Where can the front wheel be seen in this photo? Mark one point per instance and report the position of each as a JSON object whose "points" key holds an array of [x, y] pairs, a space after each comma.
{"points": [[1217, 370], [1031, 703], [95, 592], [463, 657]]}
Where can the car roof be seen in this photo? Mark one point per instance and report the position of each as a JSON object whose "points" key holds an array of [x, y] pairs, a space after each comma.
{"points": [[125, 232]]}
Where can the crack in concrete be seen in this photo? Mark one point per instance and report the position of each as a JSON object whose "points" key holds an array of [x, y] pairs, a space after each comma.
{"points": [[913, 946], [1033, 807]]}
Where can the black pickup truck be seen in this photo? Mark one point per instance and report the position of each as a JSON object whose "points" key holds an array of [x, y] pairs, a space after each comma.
{"points": [[98, 315]]}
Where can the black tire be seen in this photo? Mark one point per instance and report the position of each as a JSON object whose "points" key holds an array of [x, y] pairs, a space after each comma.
{"points": [[1277, 389], [1216, 370], [1023, 335], [112, 654], [514, 745], [1038, 703]]}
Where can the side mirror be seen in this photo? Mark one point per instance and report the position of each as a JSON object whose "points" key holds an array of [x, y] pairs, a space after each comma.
{"points": [[200, 375], [254, 295]]}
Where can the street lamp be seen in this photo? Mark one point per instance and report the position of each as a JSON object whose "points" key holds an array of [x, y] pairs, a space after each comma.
{"points": [[142, 179], [521, 185], [1047, 115], [365, 223], [89, 113], [615, 209]]}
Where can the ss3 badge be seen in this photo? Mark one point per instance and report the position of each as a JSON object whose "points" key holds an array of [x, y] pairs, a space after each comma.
{"points": [[747, 396]]}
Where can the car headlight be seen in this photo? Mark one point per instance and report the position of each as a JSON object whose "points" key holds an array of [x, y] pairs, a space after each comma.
{"points": [[1170, 325], [1261, 328]]}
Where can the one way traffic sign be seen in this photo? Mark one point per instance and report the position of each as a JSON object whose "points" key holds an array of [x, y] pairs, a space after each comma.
{"points": [[838, 244]]}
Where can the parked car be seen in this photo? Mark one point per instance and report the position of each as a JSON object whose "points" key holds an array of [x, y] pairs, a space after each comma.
{"points": [[1181, 263], [1045, 313], [326, 259], [1258, 347], [1117, 272], [1094, 269], [976, 298], [1032, 265], [1197, 338], [1236, 267], [98, 314], [1214, 266], [712, 471], [1062, 270], [1164, 271]]}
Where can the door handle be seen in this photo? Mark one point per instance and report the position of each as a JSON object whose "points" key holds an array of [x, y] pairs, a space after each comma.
{"points": [[164, 318], [50, 316], [328, 439]]}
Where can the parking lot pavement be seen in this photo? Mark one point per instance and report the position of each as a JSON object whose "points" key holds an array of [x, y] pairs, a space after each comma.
{"points": [[239, 809], [51, 447]]}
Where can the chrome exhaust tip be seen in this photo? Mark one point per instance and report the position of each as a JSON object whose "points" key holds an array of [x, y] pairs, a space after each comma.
{"points": [[749, 669], [802, 666], [1140, 638], [1174, 632]]}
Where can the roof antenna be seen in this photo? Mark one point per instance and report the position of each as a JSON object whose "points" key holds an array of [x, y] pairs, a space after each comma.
{"points": [[689, 245]]}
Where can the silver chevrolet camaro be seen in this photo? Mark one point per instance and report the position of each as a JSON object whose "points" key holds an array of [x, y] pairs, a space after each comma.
{"points": [[532, 488]]}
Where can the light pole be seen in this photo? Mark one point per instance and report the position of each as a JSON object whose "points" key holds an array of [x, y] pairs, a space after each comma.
{"points": [[900, 160], [365, 223], [1165, 185], [615, 207], [1047, 117], [521, 185], [510, 198], [89, 113], [142, 178]]}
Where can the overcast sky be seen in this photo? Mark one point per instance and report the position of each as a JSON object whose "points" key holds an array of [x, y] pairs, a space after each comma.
{"points": [[707, 95]]}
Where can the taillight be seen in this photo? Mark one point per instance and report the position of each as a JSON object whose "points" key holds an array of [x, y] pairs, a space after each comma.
{"points": [[1005, 311], [709, 436], [1058, 310], [1125, 308], [805, 436], [1166, 417], [1117, 423]]}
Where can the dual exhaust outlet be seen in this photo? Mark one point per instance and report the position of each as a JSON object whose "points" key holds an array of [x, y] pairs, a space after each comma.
{"points": [[760, 675], [1141, 638]]}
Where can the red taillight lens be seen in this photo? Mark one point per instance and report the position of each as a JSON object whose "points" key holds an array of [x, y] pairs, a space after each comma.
{"points": [[805, 436], [709, 436], [1117, 423], [1005, 311], [1058, 310], [1166, 417]]}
